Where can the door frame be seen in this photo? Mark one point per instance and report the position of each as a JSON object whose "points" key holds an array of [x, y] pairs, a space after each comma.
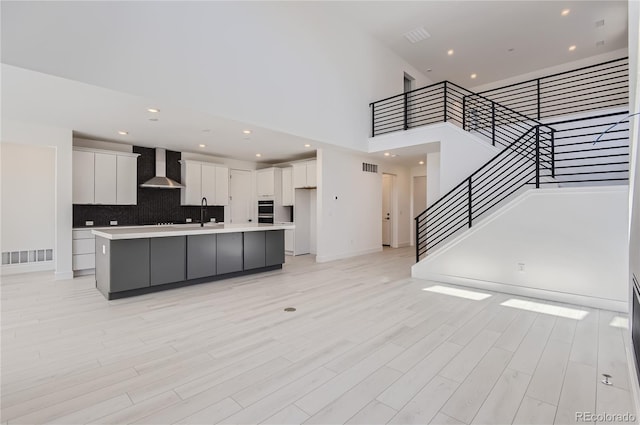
{"points": [[394, 208]]}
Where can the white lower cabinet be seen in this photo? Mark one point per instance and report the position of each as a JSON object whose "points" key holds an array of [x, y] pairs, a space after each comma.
{"points": [[83, 251]]}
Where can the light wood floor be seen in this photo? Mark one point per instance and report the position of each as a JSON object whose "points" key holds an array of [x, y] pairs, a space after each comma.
{"points": [[366, 345]]}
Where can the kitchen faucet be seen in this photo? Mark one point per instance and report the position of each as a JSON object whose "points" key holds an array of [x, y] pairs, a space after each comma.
{"points": [[203, 206]]}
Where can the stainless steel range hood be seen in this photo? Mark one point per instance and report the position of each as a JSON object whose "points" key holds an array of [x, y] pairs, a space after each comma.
{"points": [[161, 181]]}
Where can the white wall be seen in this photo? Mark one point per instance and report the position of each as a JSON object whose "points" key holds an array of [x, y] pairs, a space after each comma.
{"points": [[294, 67], [572, 242], [23, 133], [28, 199], [349, 202]]}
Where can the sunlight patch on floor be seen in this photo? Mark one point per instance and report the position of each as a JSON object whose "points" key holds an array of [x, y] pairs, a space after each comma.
{"points": [[554, 310], [461, 293]]}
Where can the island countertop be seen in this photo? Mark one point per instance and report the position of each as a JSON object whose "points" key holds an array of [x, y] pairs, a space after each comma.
{"points": [[185, 229]]}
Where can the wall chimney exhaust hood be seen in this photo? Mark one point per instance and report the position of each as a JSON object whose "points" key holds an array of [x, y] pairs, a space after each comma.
{"points": [[161, 181]]}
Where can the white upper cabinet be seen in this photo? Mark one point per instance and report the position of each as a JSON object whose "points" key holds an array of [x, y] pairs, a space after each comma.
{"points": [[126, 180], [209, 183], [304, 174], [265, 183], [83, 177], [287, 186], [104, 177], [222, 186], [204, 180]]}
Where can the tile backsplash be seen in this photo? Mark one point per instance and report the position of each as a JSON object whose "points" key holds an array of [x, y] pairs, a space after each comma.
{"points": [[154, 205]]}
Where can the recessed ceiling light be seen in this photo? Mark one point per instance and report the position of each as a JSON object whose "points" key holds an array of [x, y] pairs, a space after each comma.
{"points": [[123, 133], [258, 155], [307, 145], [421, 162], [202, 146], [153, 110], [246, 131], [387, 154], [153, 119], [511, 49], [572, 48], [450, 52], [473, 76], [429, 70], [565, 12]]}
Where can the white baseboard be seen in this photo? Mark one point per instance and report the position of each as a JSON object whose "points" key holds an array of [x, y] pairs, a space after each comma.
{"points": [[326, 258], [63, 275], [543, 294], [403, 245], [10, 269]]}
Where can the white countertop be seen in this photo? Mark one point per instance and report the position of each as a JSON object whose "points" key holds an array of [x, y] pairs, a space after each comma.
{"points": [[184, 229]]}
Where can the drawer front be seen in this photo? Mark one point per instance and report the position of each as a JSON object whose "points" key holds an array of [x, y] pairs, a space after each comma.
{"points": [[84, 261], [83, 246], [83, 234]]}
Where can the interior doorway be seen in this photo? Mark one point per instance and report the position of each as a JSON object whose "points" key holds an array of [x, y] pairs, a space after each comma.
{"points": [[240, 199], [388, 216]]}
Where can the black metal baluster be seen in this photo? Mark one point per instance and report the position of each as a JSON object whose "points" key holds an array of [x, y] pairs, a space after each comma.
{"points": [[445, 101], [537, 157], [553, 153], [373, 120], [417, 240], [464, 112], [406, 115], [470, 211], [493, 123]]}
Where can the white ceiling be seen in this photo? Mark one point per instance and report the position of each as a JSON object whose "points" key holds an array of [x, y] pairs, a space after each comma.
{"points": [[480, 33]]}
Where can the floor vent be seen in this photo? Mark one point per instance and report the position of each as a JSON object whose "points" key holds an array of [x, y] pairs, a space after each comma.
{"points": [[31, 256], [369, 168]]}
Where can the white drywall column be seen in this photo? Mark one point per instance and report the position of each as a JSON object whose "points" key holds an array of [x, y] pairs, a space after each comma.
{"points": [[61, 139], [634, 171]]}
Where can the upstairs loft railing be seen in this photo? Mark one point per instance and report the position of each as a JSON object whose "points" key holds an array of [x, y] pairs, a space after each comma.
{"points": [[600, 86], [502, 113], [448, 102], [561, 154]]}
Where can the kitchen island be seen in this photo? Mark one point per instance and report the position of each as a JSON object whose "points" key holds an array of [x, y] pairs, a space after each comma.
{"points": [[138, 260]]}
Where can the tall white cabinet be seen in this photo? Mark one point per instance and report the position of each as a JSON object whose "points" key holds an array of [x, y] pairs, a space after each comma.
{"points": [[287, 187], [204, 180], [104, 177]]}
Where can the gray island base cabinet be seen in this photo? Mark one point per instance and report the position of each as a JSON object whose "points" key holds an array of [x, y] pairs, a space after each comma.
{"points": [[128, 267]]}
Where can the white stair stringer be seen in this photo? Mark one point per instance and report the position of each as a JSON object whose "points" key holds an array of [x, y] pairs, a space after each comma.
{"points": [[559, 244]]}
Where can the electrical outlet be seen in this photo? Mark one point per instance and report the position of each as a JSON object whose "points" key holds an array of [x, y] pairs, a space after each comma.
{"points": [[521, 267], [113, 223], [188, 220], [88, 223]]}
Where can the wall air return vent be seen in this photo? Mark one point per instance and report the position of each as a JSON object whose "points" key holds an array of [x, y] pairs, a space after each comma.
{"points": [[369, 168], [417, 34], [30, 256]]}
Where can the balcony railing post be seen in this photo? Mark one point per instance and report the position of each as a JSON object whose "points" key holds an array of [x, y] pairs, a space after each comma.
{"points": [[406, 113], [464, 112], [470, 201], [553, 153], [417, 241], [373, 120], [445, 101], [537, 157], [493, 123], [538, 95]]}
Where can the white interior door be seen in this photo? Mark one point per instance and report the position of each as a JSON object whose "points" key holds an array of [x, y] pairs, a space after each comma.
{"points": [[240, 199], [387, 188]]}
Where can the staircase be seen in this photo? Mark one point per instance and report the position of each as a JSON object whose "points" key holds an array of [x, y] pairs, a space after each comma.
{"points": [[572, 110]]}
